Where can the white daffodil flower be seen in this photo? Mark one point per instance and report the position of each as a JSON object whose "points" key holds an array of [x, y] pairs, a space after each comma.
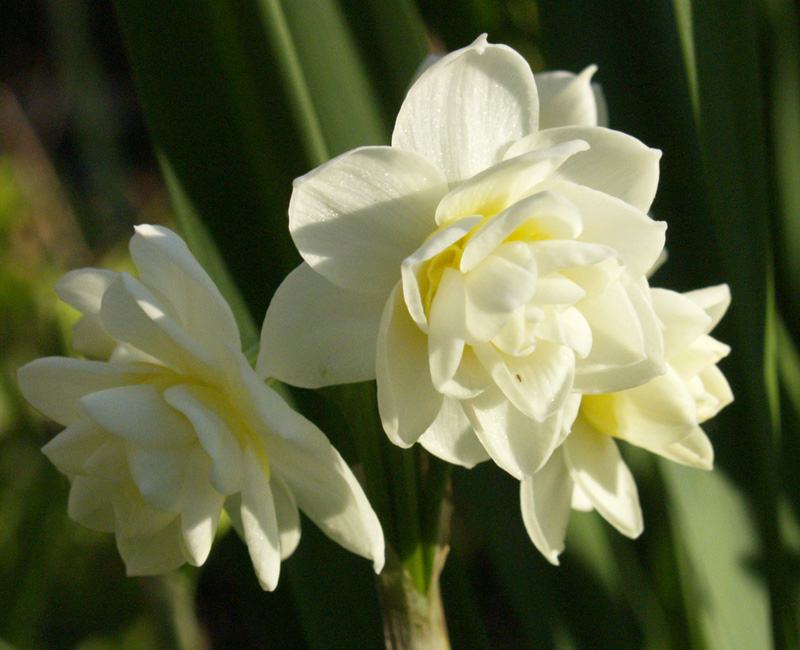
{"points": [[482, 268], [176, 425], [662, 416]]}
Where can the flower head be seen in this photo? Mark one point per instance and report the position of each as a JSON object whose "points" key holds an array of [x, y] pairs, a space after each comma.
{"points": [[176, 425], [482, 268], [662, 416]]}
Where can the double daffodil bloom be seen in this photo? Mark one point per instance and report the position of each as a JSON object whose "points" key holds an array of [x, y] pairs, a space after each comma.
{"points": [[662, 416], [175, 425], [487, 268]]}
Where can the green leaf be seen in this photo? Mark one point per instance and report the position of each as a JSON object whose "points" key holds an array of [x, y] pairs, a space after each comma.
{"points": [[728, 601]]}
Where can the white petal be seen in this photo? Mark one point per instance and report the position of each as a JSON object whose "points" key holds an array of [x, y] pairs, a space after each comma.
{"points": [[452, 438], [515, 442], [71, 448], [133, 517], [684, 320], [89, 504], [615, 163], [83, 289], [694, 451], [159, 475], [580, 501], [166, 265], [538, 383], [502, 185], [464, 111], [607, 220], [355, 218], [323, 485], [201, 507], [54, 386], [417, 287], [447, 333], [627, 346], [555, 255], [566, 98], [89, 338], [548, 215], [204, 408], [713, 300], [598, 469], [287, 515], [545, 498], [569, 328], [260, 523], [407, 400], [717, 396], [318, 334], [499, 285], [133, 314], [153, 554], [140, 415]]}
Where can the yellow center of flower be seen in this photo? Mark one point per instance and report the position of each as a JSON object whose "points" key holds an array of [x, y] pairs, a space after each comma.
{"points": [[600, 412]]}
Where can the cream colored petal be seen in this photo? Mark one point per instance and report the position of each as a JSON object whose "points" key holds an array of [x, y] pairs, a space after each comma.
{"points": [[566, 98], [355, 218], [695, 451], [201, 507], [684, 321], [627, 346], [71, 448], [140, 415], [152, 554], [135, 518], [322, 484], [713, 300], [545, 499], [537, 384], [318, 334], [90, 505], [518, 444], [615, 163], [166, 265], [287, 515], [452, 438], [597, 468], [568, 327], [447, 333], [158, 475], [464, 111], [260, 523], [133, 314], [718, 393], [54, 386], [500, 186], [204, 407], [89, 338], [413, 266], [607, 220], [407, 400]]}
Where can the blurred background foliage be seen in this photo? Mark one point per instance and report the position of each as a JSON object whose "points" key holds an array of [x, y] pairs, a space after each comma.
{"points": [[199, 113]]}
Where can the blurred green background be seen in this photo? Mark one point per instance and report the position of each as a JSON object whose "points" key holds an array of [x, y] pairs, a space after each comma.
{"points": [[199, 113]]}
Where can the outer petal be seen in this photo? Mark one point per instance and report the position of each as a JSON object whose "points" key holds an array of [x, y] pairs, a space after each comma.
{"points": [[323, 485], [71, 448], [90, 504], [159, 475], [201, 507], [713, 300], [447, 334], [545, 498], [464, 111], [452, 438], [318, 334], [566, 99], [55, 385], [355, 218], [615, 163], [166, 265], [517, 443], [407, 401], [260, 523], [83, 289], [133, 314], [684, 320], [598, 469], [153, 554], [695, 451], [287, 514], [612, 222]]}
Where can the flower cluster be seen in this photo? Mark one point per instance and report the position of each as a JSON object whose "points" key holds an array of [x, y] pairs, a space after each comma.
{"points": [[174, 425], [489, 269]]}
